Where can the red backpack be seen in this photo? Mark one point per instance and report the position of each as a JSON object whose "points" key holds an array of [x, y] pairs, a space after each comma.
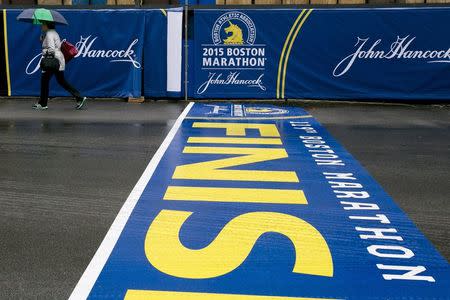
{"points": [[69, 51]]}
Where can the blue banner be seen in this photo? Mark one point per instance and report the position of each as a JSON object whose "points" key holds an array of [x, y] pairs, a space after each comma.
{"points": [[111, 47], [155, 54], [155, 81], [367, 53], [259, 202]]}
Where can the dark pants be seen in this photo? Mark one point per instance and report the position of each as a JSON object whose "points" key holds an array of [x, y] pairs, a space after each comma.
{"points": [[45, 83]]}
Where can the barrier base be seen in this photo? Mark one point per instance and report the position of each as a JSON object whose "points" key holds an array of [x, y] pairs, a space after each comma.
{"points": [[136, 100]]}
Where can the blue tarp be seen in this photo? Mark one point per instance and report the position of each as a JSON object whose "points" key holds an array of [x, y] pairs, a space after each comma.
{"points": [[367, 53]]}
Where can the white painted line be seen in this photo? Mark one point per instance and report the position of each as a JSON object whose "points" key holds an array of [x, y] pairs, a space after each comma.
{"points": [[93, 270]]}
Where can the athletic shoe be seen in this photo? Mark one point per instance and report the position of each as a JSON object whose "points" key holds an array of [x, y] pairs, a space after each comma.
{"points": [[81, 103], [39, 107]]}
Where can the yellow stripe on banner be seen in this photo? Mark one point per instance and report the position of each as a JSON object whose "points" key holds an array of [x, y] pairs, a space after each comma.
{"points": [[284, 49], [241, 195], [164, 12], [5, 35], [249, 118], [289, 51], [166, 295]]}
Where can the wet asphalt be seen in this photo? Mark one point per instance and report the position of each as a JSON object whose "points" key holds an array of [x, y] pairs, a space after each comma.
{"points": [[64, 175]]}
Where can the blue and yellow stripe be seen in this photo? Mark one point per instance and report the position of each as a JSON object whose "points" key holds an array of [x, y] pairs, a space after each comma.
{"points": [[286, 51], [5, 36]]}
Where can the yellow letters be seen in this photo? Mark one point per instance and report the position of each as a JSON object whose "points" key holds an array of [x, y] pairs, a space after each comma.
{"points": [[212, 170], [232, 140], [167, 295], [232, 245], [216, 194], [238, 129]]}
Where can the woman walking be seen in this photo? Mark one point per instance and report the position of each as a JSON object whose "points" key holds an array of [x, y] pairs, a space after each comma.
{"points": [[51, 48]]}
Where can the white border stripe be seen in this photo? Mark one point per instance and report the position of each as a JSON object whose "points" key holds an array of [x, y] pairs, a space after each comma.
{"points": [[93, 270]]}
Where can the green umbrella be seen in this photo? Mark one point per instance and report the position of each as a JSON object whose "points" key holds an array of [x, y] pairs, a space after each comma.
{"points": [[39, 15]]}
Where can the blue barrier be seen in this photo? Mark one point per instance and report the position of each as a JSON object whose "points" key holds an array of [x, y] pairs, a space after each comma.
{"points": [[250, 53], [259, 202], [112, 45], [392, 53], [155, 60]]}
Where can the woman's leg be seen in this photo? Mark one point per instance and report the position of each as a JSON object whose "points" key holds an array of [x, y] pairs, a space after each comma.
{"points": [[45, 82], [62, 81]]}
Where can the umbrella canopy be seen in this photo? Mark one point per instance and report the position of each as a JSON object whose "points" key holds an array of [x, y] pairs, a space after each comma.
{"points": [[39, 15]]}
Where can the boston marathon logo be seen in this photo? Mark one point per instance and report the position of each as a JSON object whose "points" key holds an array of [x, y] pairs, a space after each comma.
{"points": [[240, 110], [233, 58], [228, 29], [399, 49], [265, 111]]}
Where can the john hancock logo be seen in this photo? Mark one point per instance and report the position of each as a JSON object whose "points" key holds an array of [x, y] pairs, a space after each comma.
{"points": [[87, 49], [233, 59]]}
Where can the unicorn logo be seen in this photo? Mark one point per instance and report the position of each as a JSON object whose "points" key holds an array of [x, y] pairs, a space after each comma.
{"points": [[234, 28], [236, 37]]}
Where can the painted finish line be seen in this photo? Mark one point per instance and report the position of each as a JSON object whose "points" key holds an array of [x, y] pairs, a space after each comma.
{"points": [[260, 202]]}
